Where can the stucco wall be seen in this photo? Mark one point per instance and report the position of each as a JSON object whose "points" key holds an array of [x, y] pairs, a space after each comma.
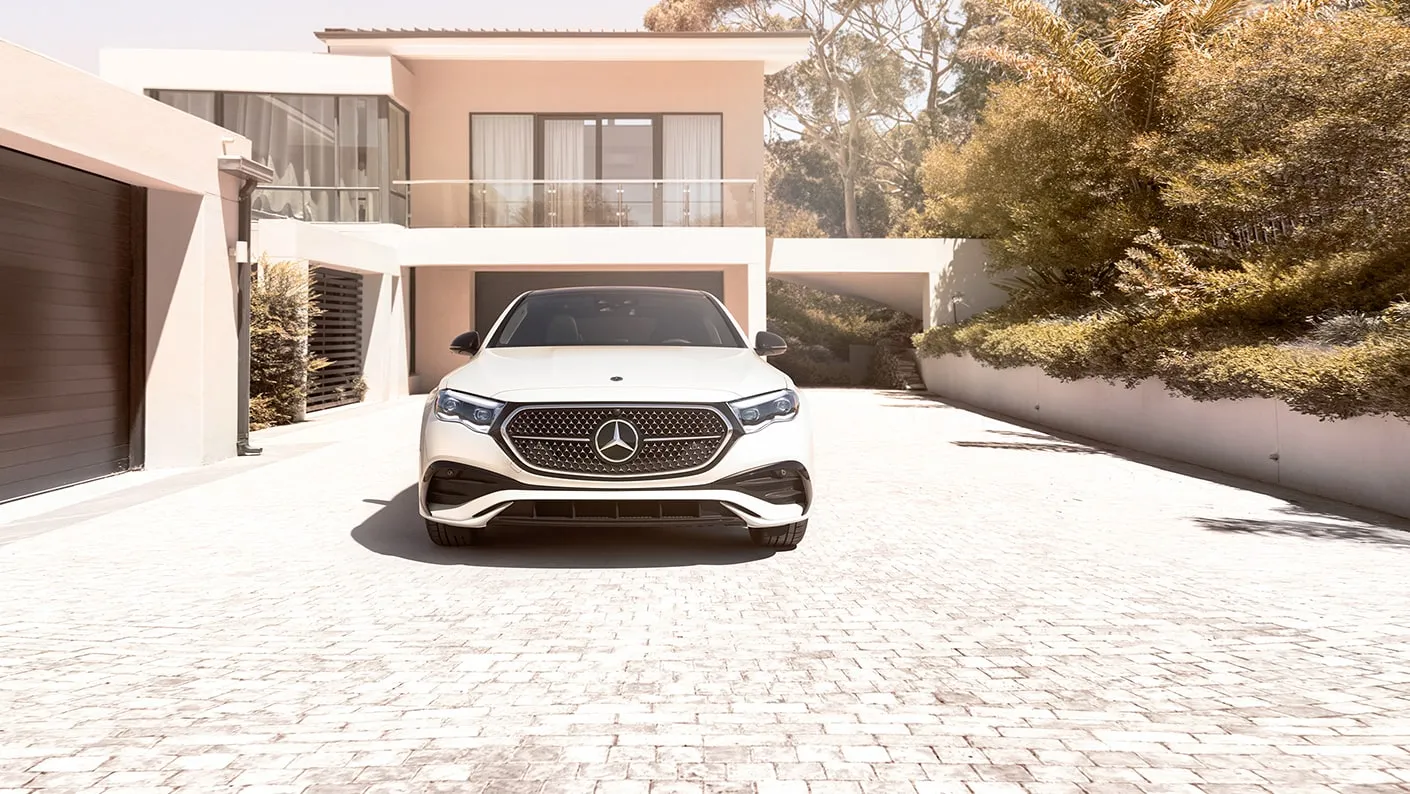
{"points": [[447, 92], [257, 72], [1364, 461], [916, 276]]}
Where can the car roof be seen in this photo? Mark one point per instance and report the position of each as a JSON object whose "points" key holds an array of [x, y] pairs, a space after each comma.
{"points": [[623, 288]]}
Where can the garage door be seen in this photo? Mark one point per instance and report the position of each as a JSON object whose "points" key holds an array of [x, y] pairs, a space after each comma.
{"points": [[66, 325], [495, 291]]}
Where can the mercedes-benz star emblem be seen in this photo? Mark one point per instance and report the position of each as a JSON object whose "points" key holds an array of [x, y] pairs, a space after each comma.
{"points": [[616, 441]]}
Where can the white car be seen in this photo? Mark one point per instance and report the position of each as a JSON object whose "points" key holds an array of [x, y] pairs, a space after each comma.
{"points": [[616, 406]]}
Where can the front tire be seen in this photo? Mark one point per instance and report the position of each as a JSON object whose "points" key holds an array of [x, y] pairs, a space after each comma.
{"points": [[446, 535], [784, 538]]}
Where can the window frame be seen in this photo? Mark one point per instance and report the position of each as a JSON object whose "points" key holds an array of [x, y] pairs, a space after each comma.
{"points": [[384, 116], [658, 150]]}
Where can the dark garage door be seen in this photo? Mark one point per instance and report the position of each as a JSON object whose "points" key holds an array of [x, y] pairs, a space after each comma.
{"points": [[495, 291], [66, 325]]}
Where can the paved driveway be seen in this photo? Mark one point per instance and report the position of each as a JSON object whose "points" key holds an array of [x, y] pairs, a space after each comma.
{"points": [[979, 608]]}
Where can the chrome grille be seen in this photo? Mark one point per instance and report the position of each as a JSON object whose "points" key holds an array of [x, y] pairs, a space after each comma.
{"points": [[674, 440]]}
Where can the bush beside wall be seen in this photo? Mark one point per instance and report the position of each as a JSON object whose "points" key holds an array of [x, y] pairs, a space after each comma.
{"points": [[821, 328], [1366, 376], [281, 320]]}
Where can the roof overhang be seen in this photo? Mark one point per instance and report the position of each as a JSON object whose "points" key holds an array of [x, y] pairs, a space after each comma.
{"points": [[776, 51]]}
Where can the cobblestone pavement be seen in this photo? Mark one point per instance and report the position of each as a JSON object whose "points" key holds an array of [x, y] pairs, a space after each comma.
{"points": [[979, 608]]}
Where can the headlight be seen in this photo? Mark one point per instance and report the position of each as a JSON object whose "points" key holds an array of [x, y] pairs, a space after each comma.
{"points": [[476, 413], [757, 413]]}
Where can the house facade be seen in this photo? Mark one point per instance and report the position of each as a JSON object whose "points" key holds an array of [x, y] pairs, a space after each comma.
{"points": [[450, 170]]}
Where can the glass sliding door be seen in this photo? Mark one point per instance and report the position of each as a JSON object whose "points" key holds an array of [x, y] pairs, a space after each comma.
{"points": [[691, 170], [502, 170], [569, 167], [628, 168]]}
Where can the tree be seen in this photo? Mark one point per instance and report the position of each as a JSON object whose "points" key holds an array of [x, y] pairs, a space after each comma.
{"points": [[1122, 80], [803, 176], [1292, 129], [1046, 186], [875, 79]]}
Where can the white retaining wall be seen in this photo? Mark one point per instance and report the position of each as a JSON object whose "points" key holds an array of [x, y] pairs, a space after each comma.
{"points": [[1363, 461]]}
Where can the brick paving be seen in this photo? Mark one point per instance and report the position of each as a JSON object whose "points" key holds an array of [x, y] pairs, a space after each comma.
{"points": [[979, 608]]}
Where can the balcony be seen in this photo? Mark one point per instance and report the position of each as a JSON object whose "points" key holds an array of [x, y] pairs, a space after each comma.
{"points": [[541, 203], [331, 204]]}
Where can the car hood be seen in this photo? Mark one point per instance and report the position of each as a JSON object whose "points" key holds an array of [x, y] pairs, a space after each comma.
{"points": [[648, 374]]}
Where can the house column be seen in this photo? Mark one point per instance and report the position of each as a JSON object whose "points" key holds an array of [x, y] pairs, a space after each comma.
{"points": [[192, 343]]}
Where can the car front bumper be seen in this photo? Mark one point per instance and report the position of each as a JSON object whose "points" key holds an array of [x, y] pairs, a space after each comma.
{"points": [[762, 480]]}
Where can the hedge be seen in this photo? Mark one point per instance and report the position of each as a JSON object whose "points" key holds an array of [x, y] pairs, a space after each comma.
{"points": [[1369, 377]]}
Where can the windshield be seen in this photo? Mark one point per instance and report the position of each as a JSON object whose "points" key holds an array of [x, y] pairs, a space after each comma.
{"points": [[616, 317]]}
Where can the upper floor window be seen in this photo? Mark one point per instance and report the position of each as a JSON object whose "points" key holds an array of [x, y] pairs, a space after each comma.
{"points": [[335, 158], [596, 170]]}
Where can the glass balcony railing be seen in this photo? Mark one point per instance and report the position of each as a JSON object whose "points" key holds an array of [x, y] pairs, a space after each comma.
{"points": [[539, 203], [332, 204]]}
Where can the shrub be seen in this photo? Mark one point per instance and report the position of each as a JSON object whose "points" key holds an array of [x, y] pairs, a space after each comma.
{"points": [[1234, 347], [821, 328], [281, 321], [884, 371]]}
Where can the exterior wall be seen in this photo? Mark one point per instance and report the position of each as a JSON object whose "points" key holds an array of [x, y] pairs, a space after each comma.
{"points": [[385, 366], [655, 247], [916, 276], [447, 92], [1364, 461], [258, 72], [191, 228], [445, 307]]}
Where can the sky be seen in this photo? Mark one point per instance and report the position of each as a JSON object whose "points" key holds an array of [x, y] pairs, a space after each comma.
{"points": [[73, 31]]}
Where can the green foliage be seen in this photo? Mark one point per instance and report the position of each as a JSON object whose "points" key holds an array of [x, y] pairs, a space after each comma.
{"points": [[1292, 130], [1246, 334], [885, 371], [1046, 186], [281, 320], [803, 176], [821, 327], [1216, 199]]}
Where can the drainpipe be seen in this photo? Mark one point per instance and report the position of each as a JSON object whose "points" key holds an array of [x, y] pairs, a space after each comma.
{"points": [[253, 175], [242, 328]]}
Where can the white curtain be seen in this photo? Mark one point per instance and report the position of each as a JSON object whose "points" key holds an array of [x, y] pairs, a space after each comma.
{"points": [[503, 155], [564, 158], [691, 151], [295, 136]]}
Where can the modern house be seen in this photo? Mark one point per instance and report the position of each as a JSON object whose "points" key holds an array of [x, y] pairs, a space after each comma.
{"points": [[470, 166], [425, 177]]}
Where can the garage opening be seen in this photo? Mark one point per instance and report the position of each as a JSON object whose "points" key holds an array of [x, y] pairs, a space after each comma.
{"points": [[494, 291], [336, 338], [71, 325]]}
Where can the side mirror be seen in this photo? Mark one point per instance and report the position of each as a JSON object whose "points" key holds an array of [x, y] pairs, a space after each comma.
{"points": [[467, 344], [767, 344]]}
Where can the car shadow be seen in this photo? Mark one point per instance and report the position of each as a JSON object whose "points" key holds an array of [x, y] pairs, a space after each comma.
{"points": [[397, 530]]}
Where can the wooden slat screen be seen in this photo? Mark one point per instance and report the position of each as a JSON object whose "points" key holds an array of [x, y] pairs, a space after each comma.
{"points": [[337, 337]]}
